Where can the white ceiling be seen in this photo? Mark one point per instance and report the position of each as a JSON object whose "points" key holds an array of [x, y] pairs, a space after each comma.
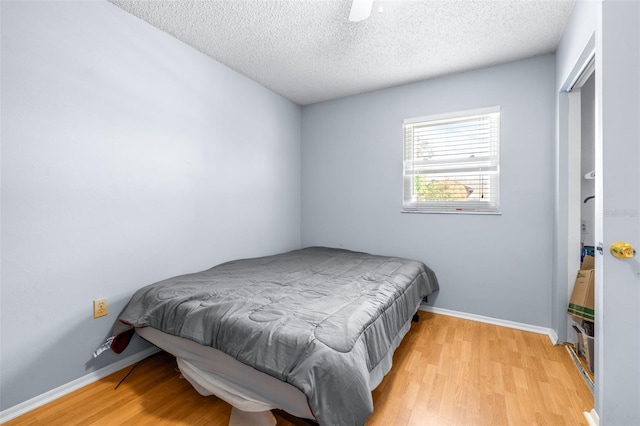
{"points": [[308, 51]]}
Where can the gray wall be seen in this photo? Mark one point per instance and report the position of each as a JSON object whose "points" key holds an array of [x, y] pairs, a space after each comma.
{"points": [[127, 157], [496, 266]]}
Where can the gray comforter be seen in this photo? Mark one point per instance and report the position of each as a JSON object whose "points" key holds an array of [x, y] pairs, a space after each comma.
{"points": [[318, 318]]}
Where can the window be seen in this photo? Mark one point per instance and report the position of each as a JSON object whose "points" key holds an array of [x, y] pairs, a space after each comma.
{"points": [[452, 162]]}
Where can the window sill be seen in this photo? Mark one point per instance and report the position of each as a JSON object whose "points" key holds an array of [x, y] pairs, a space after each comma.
{"points": [[497, 213]]}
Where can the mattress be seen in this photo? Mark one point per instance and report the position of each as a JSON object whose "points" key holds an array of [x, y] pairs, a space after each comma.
{"points": [[212, 372], [324, 321]]}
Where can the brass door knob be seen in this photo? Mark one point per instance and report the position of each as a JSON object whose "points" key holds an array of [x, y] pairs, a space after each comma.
{"points": [[622, 250]]}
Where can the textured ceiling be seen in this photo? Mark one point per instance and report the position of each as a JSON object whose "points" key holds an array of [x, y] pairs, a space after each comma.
{"points": [[308, 51]]}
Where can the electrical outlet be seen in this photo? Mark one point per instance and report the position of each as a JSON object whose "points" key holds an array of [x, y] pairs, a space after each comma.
{"points": [[100, 308]]}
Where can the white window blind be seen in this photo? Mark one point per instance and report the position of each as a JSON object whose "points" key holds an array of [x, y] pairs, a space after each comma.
{"points": [[452, 162]]}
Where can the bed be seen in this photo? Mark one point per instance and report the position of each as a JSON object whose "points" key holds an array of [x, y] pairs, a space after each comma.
{"points": [[311, 332]]}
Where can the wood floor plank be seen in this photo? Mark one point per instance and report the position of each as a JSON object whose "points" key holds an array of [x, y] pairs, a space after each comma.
{"points": [[447, 371]]}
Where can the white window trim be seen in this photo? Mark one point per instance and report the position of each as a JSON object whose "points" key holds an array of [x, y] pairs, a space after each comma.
{"points": [[453, 207]]}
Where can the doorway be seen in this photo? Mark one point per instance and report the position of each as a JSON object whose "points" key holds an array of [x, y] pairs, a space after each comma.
{"points": [[616, 43], [581, 199]]}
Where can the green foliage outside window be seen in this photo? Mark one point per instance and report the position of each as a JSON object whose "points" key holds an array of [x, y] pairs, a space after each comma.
{"points": [[440, 190]]}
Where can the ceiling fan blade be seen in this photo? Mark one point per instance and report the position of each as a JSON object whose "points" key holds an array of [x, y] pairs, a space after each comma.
{"points": [[360, 10]]}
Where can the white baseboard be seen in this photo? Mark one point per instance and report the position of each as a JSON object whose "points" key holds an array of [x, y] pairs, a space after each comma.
{"points": [[33, 403], [45, 398], [592, 417], [553, 336]]}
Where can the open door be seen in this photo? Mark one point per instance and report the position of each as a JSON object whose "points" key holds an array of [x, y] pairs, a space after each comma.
{"points": [[615, 45], [617, 298]]}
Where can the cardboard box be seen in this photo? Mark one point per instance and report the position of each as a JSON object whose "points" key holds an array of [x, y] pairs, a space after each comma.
{"points": [[588, 262], [581, 304]]}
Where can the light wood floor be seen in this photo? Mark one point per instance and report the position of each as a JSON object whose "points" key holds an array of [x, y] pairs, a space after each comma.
{"points": [[447, 371]]}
